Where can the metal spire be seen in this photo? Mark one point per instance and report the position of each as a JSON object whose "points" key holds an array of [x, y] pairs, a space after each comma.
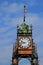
{"points": [[24, 12]]}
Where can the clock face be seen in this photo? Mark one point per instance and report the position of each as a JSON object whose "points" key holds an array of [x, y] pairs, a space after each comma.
{"points": [[24, 42]]}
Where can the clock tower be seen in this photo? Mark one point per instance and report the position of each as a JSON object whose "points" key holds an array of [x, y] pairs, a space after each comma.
{"points": [[24, 46]]}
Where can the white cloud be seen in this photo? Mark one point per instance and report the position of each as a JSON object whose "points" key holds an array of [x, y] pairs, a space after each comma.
{"points": [[4, 3], [6, 54], [8, 37], [11, 8], [32, 2], [30, 19]]}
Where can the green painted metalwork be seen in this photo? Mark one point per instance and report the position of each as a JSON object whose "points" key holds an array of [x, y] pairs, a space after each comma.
{"points": [[24, 28]]}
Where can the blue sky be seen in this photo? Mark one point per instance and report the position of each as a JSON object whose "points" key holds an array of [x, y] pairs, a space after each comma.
{"points": [[11, 14]]}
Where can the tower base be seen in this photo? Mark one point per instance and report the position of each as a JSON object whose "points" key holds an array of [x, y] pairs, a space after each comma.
{"points": [[33, 58]]}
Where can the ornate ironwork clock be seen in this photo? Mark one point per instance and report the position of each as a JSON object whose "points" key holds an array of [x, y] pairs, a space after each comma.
{"points": [[24, 47]]}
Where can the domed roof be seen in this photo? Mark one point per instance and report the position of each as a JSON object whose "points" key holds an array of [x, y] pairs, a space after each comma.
{"points": [[24, 28]]}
